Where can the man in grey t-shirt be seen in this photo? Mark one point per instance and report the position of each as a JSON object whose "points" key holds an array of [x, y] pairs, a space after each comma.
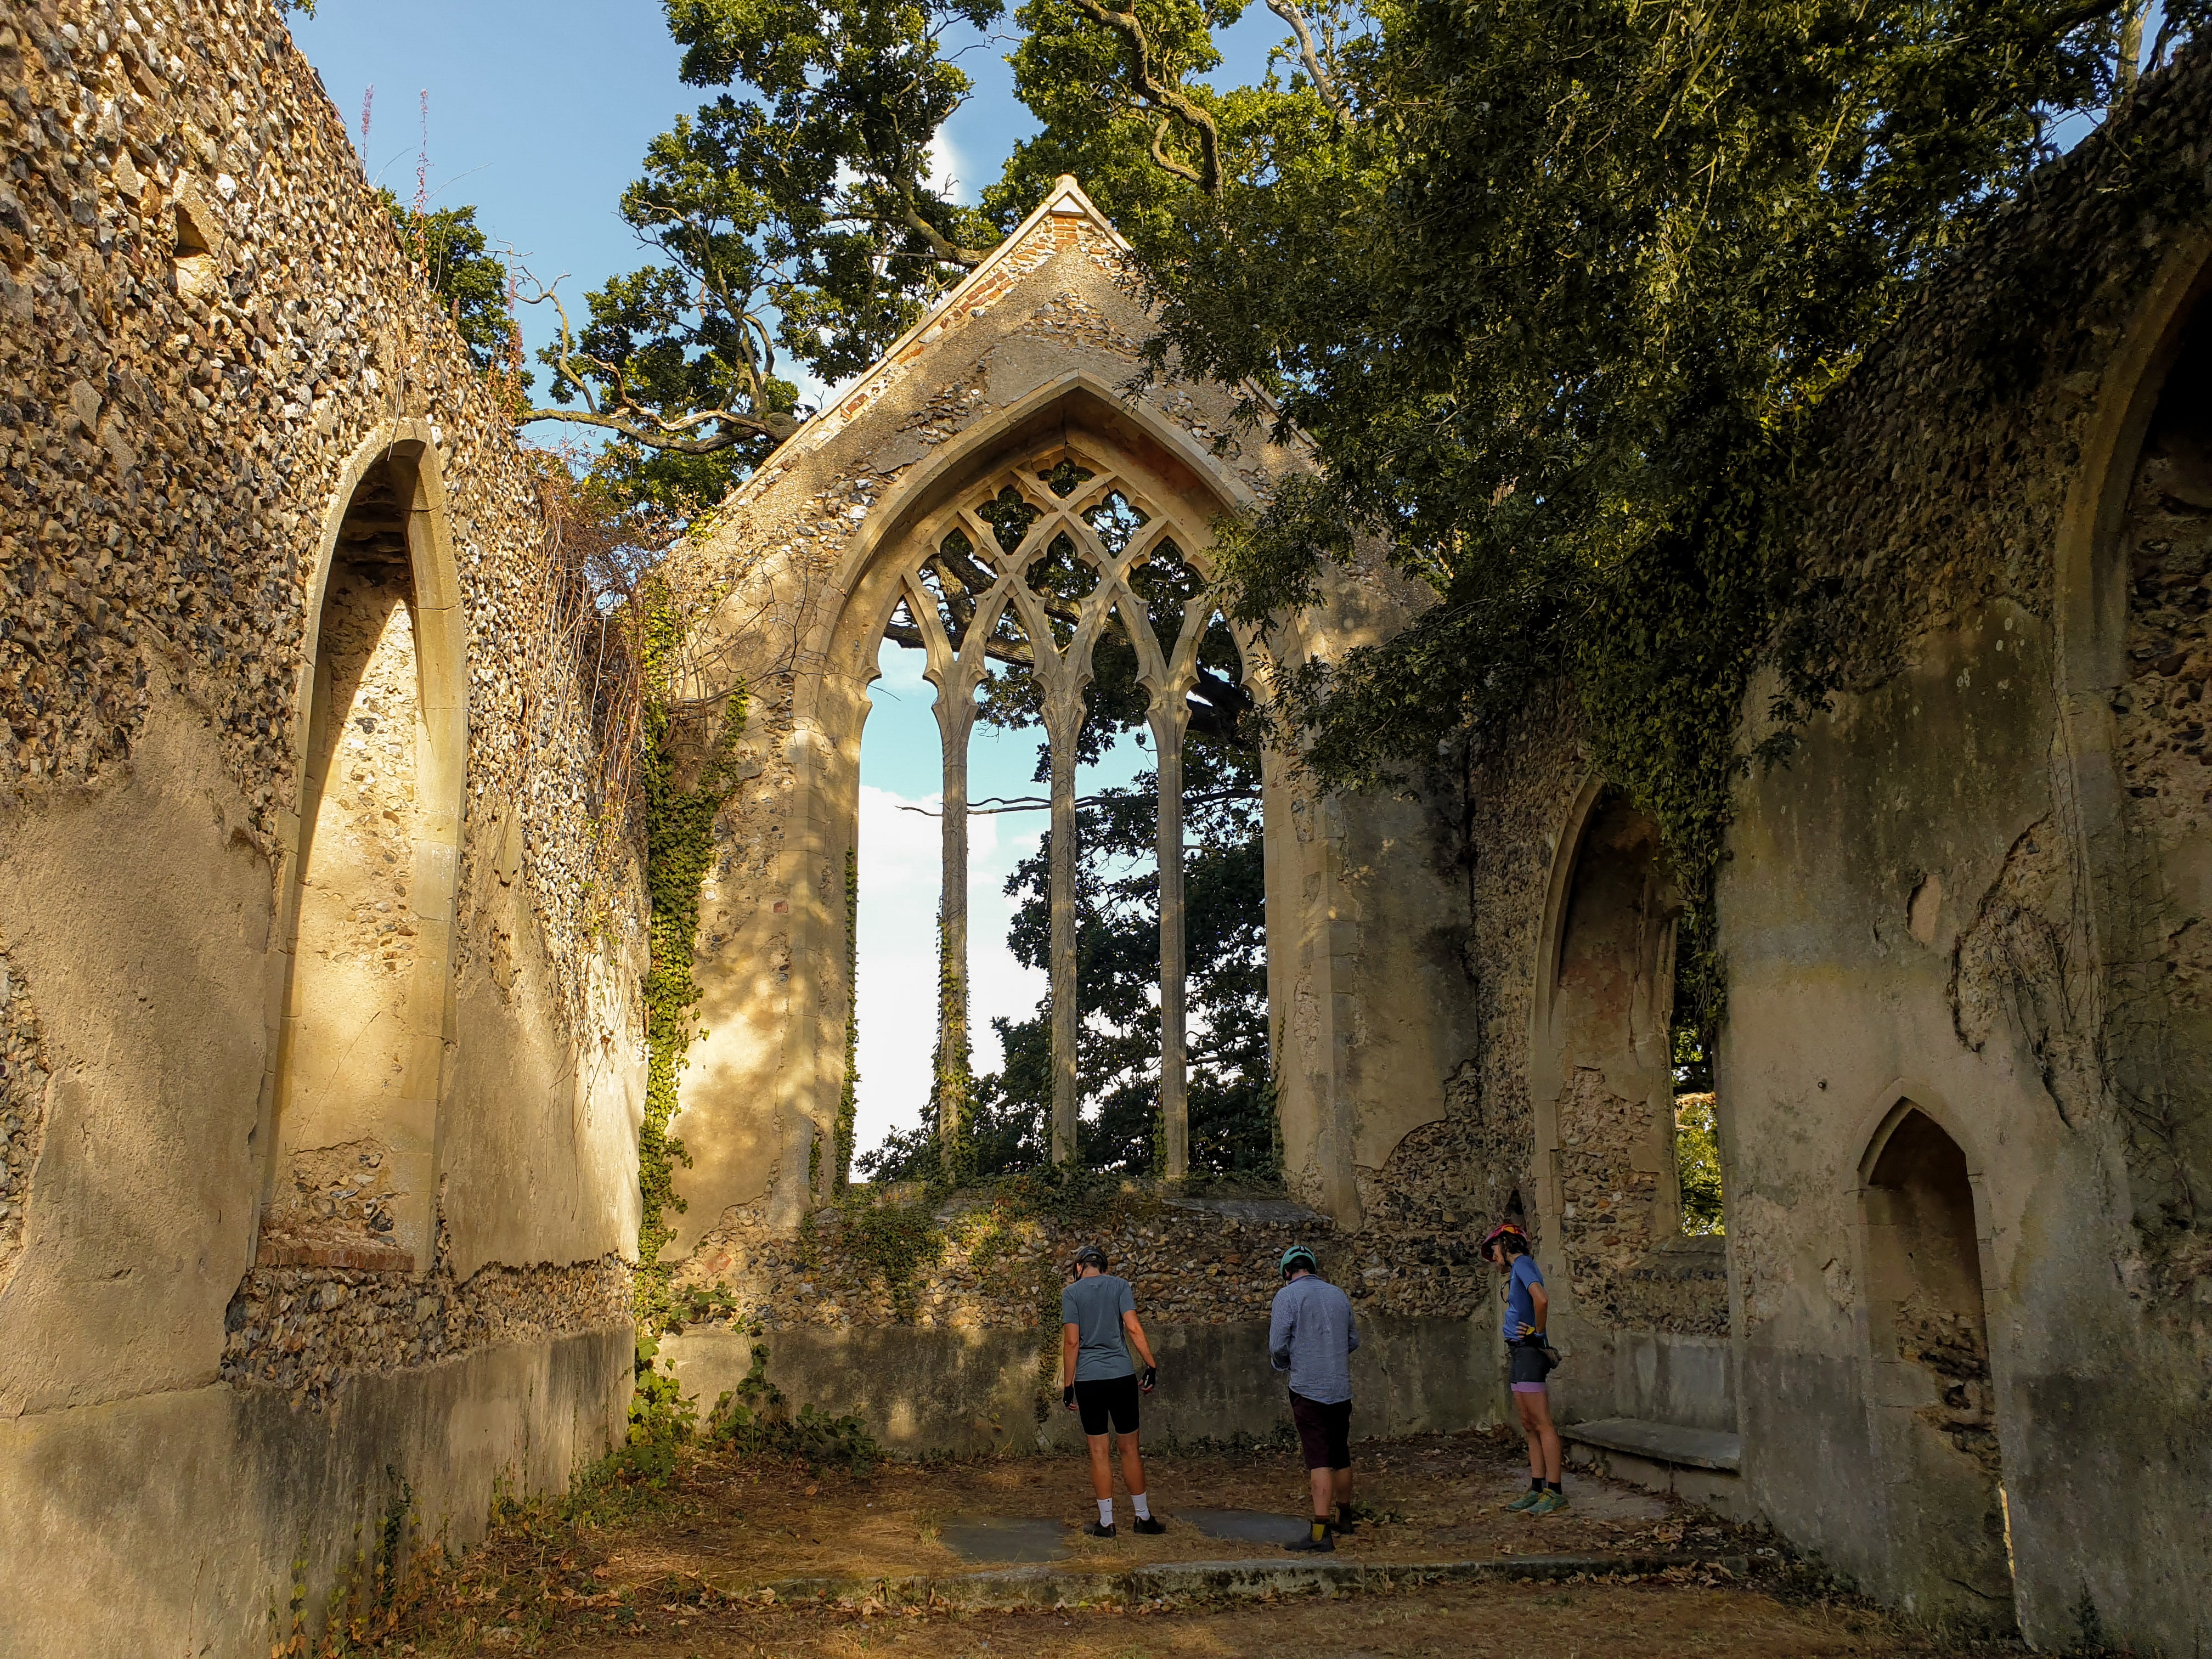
{"points": [[1311, 1333], [1096, 1311]]}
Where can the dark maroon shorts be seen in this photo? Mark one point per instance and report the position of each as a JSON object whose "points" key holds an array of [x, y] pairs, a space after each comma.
{"points": [[1324, 1431]]}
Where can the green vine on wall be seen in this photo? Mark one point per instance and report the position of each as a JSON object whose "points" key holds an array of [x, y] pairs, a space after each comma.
{"points": [[952, 1067], [849, 1102], [679, 828]]}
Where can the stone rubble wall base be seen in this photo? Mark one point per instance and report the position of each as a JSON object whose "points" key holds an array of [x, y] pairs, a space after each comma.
{"points": [[973, 1390]]}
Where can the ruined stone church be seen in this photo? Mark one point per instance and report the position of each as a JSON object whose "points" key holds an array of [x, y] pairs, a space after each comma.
{"points": [[323, 911]]}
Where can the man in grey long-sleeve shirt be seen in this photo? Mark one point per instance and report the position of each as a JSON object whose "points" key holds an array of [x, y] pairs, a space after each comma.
{"points": [[1311, 1335]]}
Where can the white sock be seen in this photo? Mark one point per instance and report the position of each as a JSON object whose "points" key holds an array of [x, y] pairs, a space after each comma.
{"points": [[1105, 1511], [1144, 1510]]}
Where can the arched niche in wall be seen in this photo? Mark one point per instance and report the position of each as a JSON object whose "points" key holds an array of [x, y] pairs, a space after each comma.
{"points": [[2134, 576], [351, 1177], [1932, 1405], [1602, 1079]]}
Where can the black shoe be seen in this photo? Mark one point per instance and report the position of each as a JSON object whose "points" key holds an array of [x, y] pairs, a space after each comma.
{"points": [[1310, 1542], [1149, 1525], [1093, 1530], [1347, 1523]]}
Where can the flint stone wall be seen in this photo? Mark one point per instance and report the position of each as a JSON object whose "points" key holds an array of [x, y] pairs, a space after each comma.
{"points": [[207, 329]]}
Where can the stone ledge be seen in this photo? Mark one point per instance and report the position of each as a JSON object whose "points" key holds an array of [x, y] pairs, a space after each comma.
{"points": [[1661, 1443], [1175, 1581], [361, 1258]]}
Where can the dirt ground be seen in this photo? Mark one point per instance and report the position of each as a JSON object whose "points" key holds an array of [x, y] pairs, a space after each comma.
{"points": [[677, 1572], [738, 1525]]}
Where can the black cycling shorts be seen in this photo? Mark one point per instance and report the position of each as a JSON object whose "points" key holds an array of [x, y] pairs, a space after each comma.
{"points": [[1108, 1398], [1324, 1431], [1531, 1365]]}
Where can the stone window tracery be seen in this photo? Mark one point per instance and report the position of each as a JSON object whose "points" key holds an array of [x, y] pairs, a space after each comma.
{"points": [[1024, 578]]}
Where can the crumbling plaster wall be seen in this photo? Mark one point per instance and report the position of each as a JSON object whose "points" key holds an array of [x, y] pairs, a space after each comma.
{"points": [[802, 566], [1951, 897], [180, 437], [1553, 1107]]}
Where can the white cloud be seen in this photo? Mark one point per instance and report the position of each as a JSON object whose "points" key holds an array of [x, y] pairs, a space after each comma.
{"points": [[948, 169]]}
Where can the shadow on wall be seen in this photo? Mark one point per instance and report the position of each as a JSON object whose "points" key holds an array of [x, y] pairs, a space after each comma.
{"points": [[932, 1389]]}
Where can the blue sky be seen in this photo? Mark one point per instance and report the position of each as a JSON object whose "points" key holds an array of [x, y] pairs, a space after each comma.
{"points": [[539, 116]]}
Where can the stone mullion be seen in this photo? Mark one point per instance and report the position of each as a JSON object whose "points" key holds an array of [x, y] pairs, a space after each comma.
{"points": [[1168, 724], [1170, 720], [1061, 733], [956, 721], [956, 677], [1062, 678]]}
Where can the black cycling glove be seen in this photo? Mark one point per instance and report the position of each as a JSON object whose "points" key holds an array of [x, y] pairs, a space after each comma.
{"points": [[1067, 1396], [1152, 1375]]}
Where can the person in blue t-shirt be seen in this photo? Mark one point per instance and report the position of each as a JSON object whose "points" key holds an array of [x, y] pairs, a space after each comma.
{"points": [[1098, 1326], [1506, 1248]]}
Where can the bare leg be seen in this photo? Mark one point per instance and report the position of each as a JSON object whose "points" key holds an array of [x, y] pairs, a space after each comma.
{"points": [[1132, 1467], [1102, 1467], [1323, 1484], [1543, 1439], [1528, 1433], [1342, 1480]]}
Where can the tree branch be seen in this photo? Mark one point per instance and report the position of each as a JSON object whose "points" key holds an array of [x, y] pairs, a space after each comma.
{"points": [[1324, 83], [736, 428], [950, 252], [680, 435], [1168, 162], [1163, 95]]}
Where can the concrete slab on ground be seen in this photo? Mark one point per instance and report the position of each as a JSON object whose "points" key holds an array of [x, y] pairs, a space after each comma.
{"points": [[1246, 1526], [1011, 1539], [1596, 1500]]}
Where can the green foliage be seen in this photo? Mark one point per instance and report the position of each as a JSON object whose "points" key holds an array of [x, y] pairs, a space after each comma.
{"points": [[793, 217], [894, 1240], [679, 827], [468, 281], [661, 1419], [753, 1419], [1556, 289], [1698, 1165]]}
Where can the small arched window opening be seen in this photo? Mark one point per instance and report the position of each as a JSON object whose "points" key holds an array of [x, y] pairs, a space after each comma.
{"points": [[1700, 1206], [1635, 1112], [2162, 712]]}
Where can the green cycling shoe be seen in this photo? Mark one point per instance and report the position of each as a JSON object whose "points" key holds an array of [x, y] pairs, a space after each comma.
{"points": [[1526, 1500]]}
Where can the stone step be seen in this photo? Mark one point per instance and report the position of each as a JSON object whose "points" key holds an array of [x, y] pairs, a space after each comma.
{"points": [[1661, 1443], [1187, 1580]]}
